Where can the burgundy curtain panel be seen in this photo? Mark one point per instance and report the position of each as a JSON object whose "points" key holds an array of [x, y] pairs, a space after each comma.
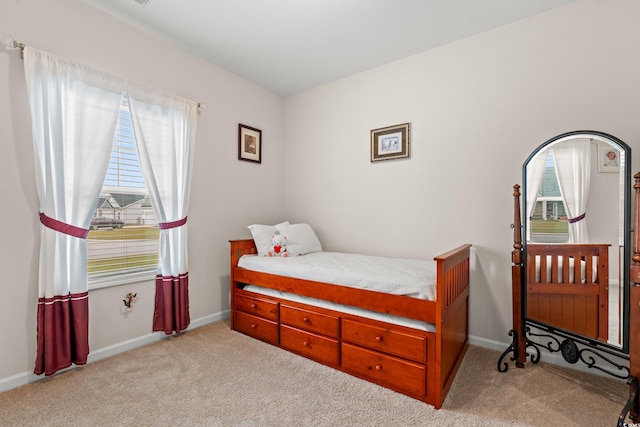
{"points": [[171, 312], [74, 111]]}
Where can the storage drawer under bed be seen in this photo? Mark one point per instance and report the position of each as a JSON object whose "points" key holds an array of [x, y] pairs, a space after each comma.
{"points": [[313, 321], [308, 344], [257, 306], [256, 327], [391, 341], [395, 373]]}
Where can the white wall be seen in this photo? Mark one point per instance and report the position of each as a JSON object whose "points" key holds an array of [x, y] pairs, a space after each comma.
{"points": [[226, 196], [477, 109]]}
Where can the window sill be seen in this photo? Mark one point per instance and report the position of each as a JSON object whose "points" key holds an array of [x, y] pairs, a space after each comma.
{"points": [[115, 279]]}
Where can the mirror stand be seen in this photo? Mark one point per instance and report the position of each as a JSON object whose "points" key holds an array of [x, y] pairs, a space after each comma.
{"points": [[518, 343], [572, 348]]}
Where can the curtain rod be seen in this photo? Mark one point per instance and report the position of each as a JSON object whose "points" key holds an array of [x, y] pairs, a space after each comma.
{"points": [[11, 44]]}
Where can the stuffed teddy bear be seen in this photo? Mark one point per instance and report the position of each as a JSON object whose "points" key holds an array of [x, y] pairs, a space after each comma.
{"points": [[278, 246]]}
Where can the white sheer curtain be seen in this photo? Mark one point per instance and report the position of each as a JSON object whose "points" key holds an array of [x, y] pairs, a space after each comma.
{"points": [[622, 181], [535, 171], [74, 112], [165, 130], [572, 160]]}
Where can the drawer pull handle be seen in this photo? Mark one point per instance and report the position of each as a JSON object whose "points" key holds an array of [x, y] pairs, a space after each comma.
{"points": [[379, 338], [305, 319], [253, 326], [306, 343], [378, 367], [253, 305]]}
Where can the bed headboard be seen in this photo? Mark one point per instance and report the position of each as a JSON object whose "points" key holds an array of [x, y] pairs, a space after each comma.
{"points": [[241, 247]]}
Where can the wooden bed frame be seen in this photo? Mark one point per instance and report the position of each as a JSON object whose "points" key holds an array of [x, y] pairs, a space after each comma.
{"points": [[416, 363], [557, 299]]}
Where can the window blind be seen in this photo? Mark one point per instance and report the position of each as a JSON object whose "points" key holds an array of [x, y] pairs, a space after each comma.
{"points": [[122, 245]]}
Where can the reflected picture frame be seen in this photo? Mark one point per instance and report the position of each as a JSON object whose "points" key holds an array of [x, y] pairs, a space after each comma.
{"points": [[608, 159], [391, 142], [249, 144]]}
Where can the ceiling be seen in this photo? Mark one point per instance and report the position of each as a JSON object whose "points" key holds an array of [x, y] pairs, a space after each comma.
{"points": [[288, 46]]}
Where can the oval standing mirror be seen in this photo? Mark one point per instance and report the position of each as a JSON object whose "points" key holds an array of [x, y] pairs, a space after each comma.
{"points": [[576, 242]]}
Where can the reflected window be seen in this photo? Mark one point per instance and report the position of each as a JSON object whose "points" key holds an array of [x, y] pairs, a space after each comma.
{"points": [[548, 221]]}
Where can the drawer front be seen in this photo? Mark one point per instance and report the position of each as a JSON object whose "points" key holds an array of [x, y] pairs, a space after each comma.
{"points": [[398, 374], [256, 327], [258, 307], [322, 349], [398, 343], [309, 320]]}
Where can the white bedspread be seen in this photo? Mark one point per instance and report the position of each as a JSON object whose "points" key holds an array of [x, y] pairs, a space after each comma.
{"points": [[397, 276]]}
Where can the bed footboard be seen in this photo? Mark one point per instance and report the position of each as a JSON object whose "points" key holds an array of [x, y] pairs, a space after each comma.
{"points": [[453, 275], [568, 287], [452, 317]]}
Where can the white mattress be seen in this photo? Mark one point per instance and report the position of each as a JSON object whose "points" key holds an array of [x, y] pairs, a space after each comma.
{"points": [[396, 276], [396, 320]]}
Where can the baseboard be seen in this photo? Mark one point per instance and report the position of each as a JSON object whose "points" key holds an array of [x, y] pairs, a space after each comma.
{"points": [[102, 353], [545, 356]]}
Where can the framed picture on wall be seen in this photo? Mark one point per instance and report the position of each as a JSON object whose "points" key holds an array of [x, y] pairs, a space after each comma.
{"points": [[391, 142], [608, 159], [249, 144]]}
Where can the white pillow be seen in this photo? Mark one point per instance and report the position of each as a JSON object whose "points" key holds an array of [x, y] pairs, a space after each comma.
{"points": [[262, 236], [301, 239]]}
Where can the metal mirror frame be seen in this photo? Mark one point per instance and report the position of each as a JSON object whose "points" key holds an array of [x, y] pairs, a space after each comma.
{"points": [[586, 341]]}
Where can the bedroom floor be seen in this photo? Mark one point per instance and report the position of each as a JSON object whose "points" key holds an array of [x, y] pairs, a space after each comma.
{"points": [[212, 376]]}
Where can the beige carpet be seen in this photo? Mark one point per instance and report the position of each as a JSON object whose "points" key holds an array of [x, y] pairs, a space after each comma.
{"points": [[212, 376]]}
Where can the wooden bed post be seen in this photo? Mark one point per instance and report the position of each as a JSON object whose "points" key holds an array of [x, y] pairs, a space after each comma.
{"points": [[516, 282], [634, 305], [237, 249]]}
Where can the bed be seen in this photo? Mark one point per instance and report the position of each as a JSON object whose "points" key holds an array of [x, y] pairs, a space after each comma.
{"points": [[568, 287], [412, 344]]}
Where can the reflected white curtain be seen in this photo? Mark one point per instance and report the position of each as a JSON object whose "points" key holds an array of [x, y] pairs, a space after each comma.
{"points": [[572, 160], [535, 172], [622, 181], [165, 130], [74, 112]]}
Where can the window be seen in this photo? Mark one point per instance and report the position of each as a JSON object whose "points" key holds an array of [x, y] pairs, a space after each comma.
{"points": [[549, 224], [122, 245]]}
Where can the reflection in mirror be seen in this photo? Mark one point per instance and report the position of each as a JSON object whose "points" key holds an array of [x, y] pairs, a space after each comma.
{"points": [[576, 247]]}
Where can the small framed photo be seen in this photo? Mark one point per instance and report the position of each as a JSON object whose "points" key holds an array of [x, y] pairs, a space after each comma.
{"points": [[608, 159], [391, 142], [249, 144]]}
